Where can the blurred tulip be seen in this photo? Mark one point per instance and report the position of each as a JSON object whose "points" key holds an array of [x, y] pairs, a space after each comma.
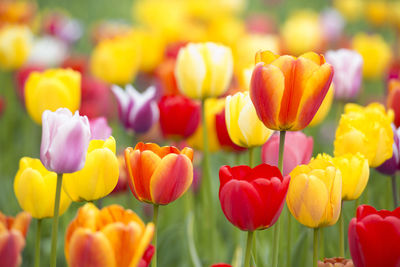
{"points": [[302, 25], [374, 237], [152, 46], [221, 265], [252, 199], [350, 9], [147, 256], [224, 139], [366, 130], [260, 23], [137, 111], [332, 23], [179, 116], [285, 95], [376, 54], [15, 46], [159, 175], [109, 237], [21, 76], [325, 107], [35, 188], [96, 98], [2, 105], [116, 60], [393, 99], [12, 238], [48, 51], [392, 165], [17, 12], [315, 193], [99, 129], [63, 27], [244, 127], [122, 184], [165, 76], [204, 70], [51, 90], [226, 29], [65, 140], [98, 177], [77, 62], [377, 12], [108, 30], [298, 150], [335, 262]]}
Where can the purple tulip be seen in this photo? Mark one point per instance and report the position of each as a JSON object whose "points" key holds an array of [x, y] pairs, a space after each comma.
{"points": [[347, 77], [137, 111], [390, 166], [332, 24], [65, 140], [100, 129]]}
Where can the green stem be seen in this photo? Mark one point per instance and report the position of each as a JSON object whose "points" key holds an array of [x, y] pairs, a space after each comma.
{"points": [[37, 242], [341, 234], [248, 248], [275, 247], [321, 241], [394, 190], [356, 204], [315, 250], [155, 221], [289, 240], [251, 157], [192, 247], [54, 234]]}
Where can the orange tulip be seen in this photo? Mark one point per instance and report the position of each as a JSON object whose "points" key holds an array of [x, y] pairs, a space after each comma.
{"points": [[288, 91], [393, 99], [106, 238], [159, 175], [12, 238]]}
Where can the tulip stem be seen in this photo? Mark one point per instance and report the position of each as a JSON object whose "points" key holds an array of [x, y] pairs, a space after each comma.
{"points": [[394, 190], [289, 240], [37, 242], [315, 250], [155, 221], [248, 248], [54, 234], [282, 136], [356, 204], [251, 158], [341, 233]]}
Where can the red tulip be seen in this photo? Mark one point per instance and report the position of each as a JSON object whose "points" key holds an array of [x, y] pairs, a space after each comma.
{"points": [[20, 78], [2, 105], [179, 116], [393, 99], [298, 151], [222, 133], [374, 237], [76, 62], [96, 98], [252, 199], [221, 265]]}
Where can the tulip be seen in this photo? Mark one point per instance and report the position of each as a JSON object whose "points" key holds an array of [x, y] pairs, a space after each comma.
{"points": [[325, 107], [51, 90], [179, 116], [48, 51], [332, 23], [116, 60], [20, 78], [122, 184], [374, 237], [63, 27], [204, 70], [224, 139], [100, 129], [244, 127], [137, 111], [297, 151], [350, 9], [376, 54], [15, 12], [98, 177], [335, 262], [166, 77], [392, 165], [2, 105], [108, 237], [348, 72], [393, 99], [15, 46], [376, 12], [152, 46], [276, 77], [366, 130], [12, 238]]}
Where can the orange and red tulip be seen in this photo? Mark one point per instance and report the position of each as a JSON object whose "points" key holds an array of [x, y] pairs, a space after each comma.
{"points": [[287, 91], [393, 99], [159, 175]]}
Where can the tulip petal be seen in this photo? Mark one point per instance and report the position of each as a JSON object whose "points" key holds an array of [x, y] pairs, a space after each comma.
{"points": [[11, 245], [115, 213], [265, 56]]}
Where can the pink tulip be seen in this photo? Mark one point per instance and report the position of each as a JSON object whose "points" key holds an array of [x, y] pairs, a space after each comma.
{"points": [[100, 129], [65, 140], [332, 23], [298, 150]]}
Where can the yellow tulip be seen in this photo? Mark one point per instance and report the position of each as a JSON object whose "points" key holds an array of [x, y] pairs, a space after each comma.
{"points": [[244, 127], [376, 12], [212, 107], [325, 107], [152, 46], [116, 60], [35, 188], [226, 29], [376, 54], [394, 14], [350, 9], [314, 195], [204, 70], [52, 89], [366, 130], [98, 177], [15, 45]]}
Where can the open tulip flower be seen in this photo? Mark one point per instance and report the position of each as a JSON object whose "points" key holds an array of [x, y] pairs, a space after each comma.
{"points": [[110, 237], [287, 91], [374, 237], [159, 175]]}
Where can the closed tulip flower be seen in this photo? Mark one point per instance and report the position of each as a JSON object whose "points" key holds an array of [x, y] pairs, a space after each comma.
{"points": [[109, 237], [51, 90], [204, 70], [366, 130], [298, 150], [224, 139], [325, 107], [392, 165], [287, 91], [374, 237], [15, 46], [179, 116], [315, 193], [99, 128], [252, 199], [65, 139], [244, 127], [347, 78], [393, 99], [98, 177], [159, 175], [35, 188], [137, 111]]}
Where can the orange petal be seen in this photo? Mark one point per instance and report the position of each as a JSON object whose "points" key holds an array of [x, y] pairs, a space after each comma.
{"points": [[265, 56], [317, 58], [21, 222], [144, 242], [171, 179], [188, 152], [116, 213]]}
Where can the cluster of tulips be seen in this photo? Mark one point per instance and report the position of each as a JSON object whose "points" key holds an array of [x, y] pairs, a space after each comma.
{"points": [[248, 92]]}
